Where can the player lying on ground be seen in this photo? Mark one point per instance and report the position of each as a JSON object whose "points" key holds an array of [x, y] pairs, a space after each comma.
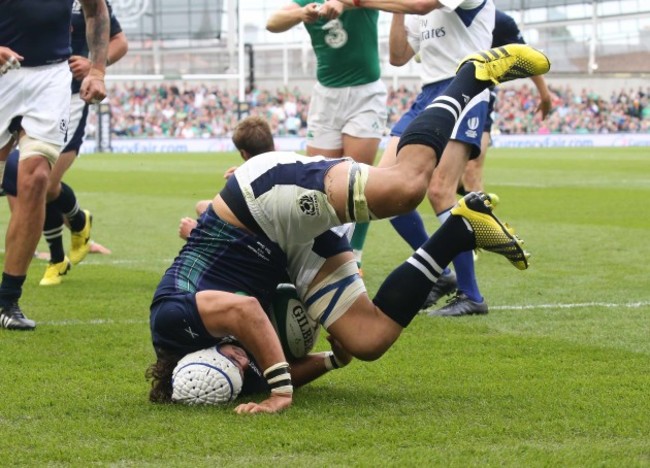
{"points": [[224, 371], [268, 219]]}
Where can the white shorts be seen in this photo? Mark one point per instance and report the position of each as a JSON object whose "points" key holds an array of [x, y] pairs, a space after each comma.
{"points": [[358, 111], [41, 96]]}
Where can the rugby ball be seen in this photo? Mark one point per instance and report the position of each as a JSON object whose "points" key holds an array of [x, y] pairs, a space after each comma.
{"points": [[297, 331], [205, 377]]}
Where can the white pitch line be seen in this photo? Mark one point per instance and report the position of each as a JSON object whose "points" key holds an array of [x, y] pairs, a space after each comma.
{"points": [[630, 305], [65, 323]]}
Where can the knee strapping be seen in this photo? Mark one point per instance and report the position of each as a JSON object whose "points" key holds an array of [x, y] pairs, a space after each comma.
{"points": [[357, 209], [30, 147], [331, 298]]}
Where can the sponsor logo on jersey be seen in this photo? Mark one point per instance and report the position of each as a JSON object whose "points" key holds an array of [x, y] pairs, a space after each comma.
{"points": [[336, 36], [427, 32]]}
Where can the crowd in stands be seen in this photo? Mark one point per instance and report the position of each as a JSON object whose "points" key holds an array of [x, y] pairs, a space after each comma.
{"points": [[199, 111]]}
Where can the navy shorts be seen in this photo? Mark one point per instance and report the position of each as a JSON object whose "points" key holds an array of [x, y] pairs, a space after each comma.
{"points": [[469, 127], [176, 325], [77, 124]]}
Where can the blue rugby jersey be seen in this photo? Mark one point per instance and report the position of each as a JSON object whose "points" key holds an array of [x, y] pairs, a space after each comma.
{"points": [[78, 34], [39, 30], [218, 256]]}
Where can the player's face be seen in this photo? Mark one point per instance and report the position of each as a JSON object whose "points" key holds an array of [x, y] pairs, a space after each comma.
{"points": [[237, 355]]}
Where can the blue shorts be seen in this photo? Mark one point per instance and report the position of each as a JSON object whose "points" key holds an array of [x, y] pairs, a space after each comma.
{"points": [[467, 127]]}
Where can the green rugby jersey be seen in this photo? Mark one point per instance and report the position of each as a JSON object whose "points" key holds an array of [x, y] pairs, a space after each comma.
{"points": [[347, 48]]}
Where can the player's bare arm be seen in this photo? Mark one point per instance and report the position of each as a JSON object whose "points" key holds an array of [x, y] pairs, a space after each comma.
{"points": [[93, 88], [399, 49], [418, 7], [545, 103], [228, 314], [290, 15], [331, 9]]}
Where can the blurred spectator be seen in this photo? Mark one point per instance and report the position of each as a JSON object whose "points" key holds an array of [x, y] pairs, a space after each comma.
{"points": [[205, 111]]}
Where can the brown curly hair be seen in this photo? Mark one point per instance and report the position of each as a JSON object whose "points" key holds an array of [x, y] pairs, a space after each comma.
{"points": [[160, 375]]}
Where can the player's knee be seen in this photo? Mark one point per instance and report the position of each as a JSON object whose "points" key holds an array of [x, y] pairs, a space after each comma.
{"points": [[436, 192], [412, 192], [367, 350], [370, 354], [35, 181]]}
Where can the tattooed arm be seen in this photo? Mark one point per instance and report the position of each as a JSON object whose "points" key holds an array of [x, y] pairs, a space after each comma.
{"points": [[93, 89]]}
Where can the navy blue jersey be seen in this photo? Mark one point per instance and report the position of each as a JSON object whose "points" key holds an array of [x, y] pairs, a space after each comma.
{"points": [[218, 256], [39, 30], [78, 34], [505, 30]]}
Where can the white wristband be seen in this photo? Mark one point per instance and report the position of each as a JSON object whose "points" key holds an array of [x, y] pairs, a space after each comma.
{"points": [[331, 361]]}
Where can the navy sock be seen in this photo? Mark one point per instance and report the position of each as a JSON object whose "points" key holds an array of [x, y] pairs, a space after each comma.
{"points": [[403, 292], [411, 227], [466, 276], [11, 288], [67, 203], [53, 232]]}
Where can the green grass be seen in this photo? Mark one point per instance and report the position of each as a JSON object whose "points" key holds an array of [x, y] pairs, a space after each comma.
{"points": [[556, 375]]}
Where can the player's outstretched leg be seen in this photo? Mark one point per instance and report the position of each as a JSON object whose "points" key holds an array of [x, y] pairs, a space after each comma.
{"points": [[491, 234], [507, 63]]}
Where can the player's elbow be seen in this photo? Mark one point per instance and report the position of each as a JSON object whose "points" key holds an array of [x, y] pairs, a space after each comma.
{"points": [[397, 60], [274, 26]]}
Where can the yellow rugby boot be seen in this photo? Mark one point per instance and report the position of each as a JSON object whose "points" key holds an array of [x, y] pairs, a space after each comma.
{"points": [[54, 272], [490, 233], [80, 241], [508, 62]]}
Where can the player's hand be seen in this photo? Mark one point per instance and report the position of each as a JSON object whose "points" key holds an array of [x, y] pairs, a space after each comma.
{"points": [[230, 171], [331, 9], [544, 106], [79, 66], [93, 89], [343, 357], [273, 404], [310, 13], [9, 60], [185, 227]]}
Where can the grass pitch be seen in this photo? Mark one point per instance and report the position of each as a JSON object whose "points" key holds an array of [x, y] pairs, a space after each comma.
{"points": [[556, 375]]}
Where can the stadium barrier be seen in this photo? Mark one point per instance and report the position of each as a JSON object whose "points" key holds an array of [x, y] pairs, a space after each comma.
{"points": [[172, 145]]}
